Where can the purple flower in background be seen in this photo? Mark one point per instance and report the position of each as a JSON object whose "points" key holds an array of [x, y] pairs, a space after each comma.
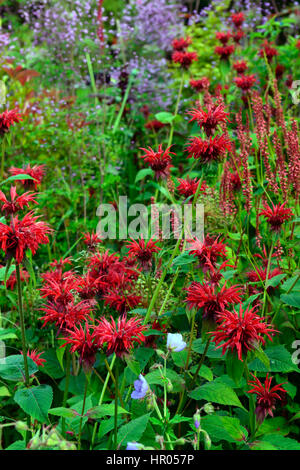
{"points": [[141, 388], [175, 342], [134, 446]]}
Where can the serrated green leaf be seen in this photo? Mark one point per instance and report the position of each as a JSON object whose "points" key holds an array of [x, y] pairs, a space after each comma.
{"points": [[35, 401]]}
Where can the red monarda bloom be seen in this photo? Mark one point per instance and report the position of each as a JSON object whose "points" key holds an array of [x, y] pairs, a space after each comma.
{"points": [[188, 187], [208, 151], [16, 202], [154, 125], [266, 396], [268, 50], [91, 240], [298, 44], [208, 252], [185, 59], [223, 37], [121, 300], [209, 119], [9, 118], [36, 172], [59, 290], [58, 265], [240, 66], [36, 357], [279, 71], [200, 85], [66, 316], [82, 342], [237, 35], [143, 251], [224, 51], [238, 19], [276, 215], [259, 276], [12, 281], [22, 235], [119, 337], [181, 44], [240, 331], [159, 161], [205, 296], [245, 82]]}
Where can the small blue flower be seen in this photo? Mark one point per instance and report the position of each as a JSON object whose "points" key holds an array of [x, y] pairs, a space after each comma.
{"points": [[175, 342], [134, 446], [141, 388]]}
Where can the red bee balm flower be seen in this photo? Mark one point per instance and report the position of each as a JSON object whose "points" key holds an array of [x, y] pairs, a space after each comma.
{"points": [[266, 396], [119, 337], [143, 251], [209, 119], [240, 331], [91, 240], [208, 251], [240, 66], [24, 234], [200, 85], [237, 35], [8, 118], [36, 357], [224, 51], [268, 50], [154, 125], [82, 341], [276, 215], [204, 296], [245, 82], [181, 44], [238, 19], [223, 37], [189, 186], [209, 151], [185, 59], [16, 202], [36, 172], [159, 161]]}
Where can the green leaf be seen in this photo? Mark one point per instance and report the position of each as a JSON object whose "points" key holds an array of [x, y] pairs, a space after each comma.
{"points": [[52, 366], [133, 430], [16, 178], [223, 428], [281, 442], [12, 368], [134, 366], [104, 410], [235, 367], [183, 259], [198, 346], [143, 173], [7, 333], [280, 361], [4, 392], [274, 281], [292, 299], [165, 117], [155, 378], [63, 412], [261, 355], [35, 401], [216, 392]]}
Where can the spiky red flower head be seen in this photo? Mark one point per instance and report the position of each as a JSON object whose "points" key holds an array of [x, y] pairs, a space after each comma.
{"points": [[209, 119], [16, 202], [36, 357], [276, 215], [121, 300], [36, 172], [82, 342], [22, 235], [259, 276], [188, 187], [91, 240], [245, 82], [208, 251], [12, 280], [87, 287], [298, 44], [59, 290], [181, 44], [240, 66], [185, 59], [223, 37], [119, 337], [240, 331], [159, 161], [279, 71], [268, 50], [238, 35], [61, 263], [9, 118], [224, 51], [238, 19], [200, 84], [143, 251], [208, 151], [68, 315], [154, 125], [266, 396], [205, 296]]}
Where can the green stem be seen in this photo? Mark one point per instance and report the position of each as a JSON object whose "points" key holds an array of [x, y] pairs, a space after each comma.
{"points": [[82, 412], [176, 109], [2, 158]]}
